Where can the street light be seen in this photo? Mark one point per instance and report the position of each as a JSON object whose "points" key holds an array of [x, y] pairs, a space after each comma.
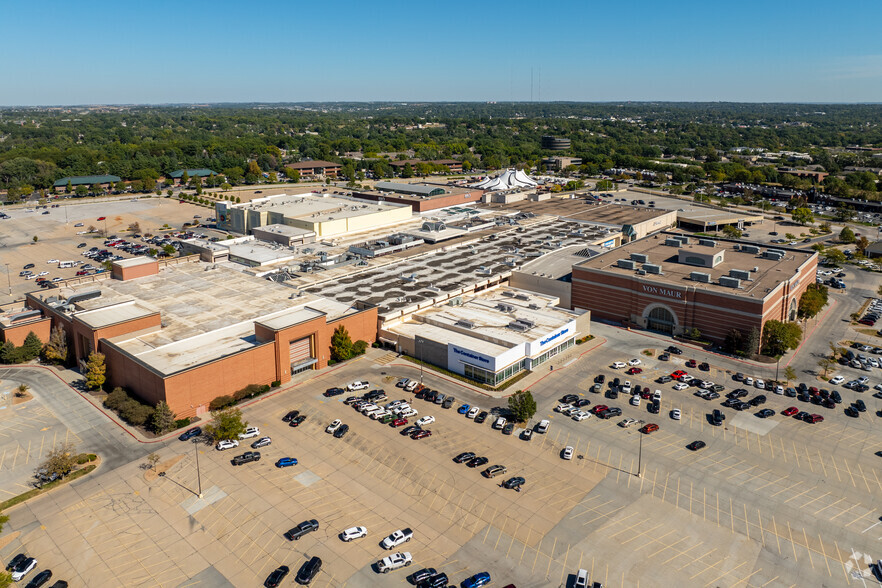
{"points": [[640, 456], [198, 474], [8, 280]]}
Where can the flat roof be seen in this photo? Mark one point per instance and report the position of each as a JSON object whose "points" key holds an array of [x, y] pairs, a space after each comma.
{"points": [[413, 329], [134, 261], [580, 209], [769, 273], [720, 217], [559, 263], [285, 230], [316, 206], [260, 253], [448, 191], [114, 314]]}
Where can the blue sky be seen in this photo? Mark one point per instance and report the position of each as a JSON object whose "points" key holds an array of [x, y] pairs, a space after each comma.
{"points": [[221, 51]]}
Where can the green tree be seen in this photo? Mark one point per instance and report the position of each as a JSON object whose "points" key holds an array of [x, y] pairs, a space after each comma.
{"points": [[152, 460], [752, 341], [846, 235], [734, 341], [293, 175], [120, 186], [56, 349], [812, 300], [68, 188], [185, 178], [163, 418], [522, 405], [407, 171], [35, 238], [226, 423], [825, 363], [732, 232], [603, 185], [96, 371], [861, 245], [135, 227], [779, 336], [341, 344], [97, 189], [835, 256], [169, 249], [31, 347], [82, 190], [803, 216], [789, 374], [60, 460]]}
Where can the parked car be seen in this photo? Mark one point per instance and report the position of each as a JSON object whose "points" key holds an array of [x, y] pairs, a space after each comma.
{"points": [[302, 529], [514, 483], [567, 452], [339, 433], [276, 576], [246, 457], [308, 571], [394, 562], [493, 471], [476, 581], [262, 442], [696, 445], [464, 457], [249, 433], [190, 433], [334, 392], [23, 568], [353, 533], [397, 538], [226, 444], [286, 462], [335, 424]]}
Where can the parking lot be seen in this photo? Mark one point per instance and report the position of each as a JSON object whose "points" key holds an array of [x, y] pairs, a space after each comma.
{"points": [[767, 502]]}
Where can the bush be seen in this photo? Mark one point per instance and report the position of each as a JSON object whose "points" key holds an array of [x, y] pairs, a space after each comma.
{"points": [[221, 402], [275, 384], [359, 347], [181, 423], [86, 458], [116, 399], [135, 413]]}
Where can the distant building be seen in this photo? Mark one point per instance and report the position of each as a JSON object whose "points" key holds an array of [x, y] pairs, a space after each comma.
{"points": [[559, 163], [555, 143], [177, 175], [315, 168], [421, 197], [454, 166], [806, 174], [105, 182]]}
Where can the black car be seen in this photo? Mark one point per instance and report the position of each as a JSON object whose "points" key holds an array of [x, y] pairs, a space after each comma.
{"points": [[448, 402], [190, 433], [276, 576], [664, 357], [423, 574], [696, 445], [246, 457], [508, 428], [514, 483], [292, 414], [429, 395], [59, 584], [731, 402], [704, 366], [852, 412], [482, 416], [40, 579], [477, 462], [569, 398], [302, 529], [801, 415], [464, 457], [600, 379], [334, 392], [860, 406], [804, 398], [653, 407], [15, 561], [612, 393], [410, 429], [765, 413], [674, 350], [790, 392], [436, 581], [836, 397], [308, 571], [583, 402], [295, 422], [757, 400], [615, 383], [717, 417], [611, 412], [341, 430]]}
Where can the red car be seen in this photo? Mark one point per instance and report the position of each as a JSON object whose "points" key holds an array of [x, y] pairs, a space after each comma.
{"points": [[647, 429], [790, 411], [102, 217], [675, 375], [634, 371], [399, 422], [599, 408], [814, 418], [691, 363], [82, 273], [420, 434]]}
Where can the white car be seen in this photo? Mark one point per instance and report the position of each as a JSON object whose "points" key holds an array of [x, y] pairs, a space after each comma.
{"points": [[402, 383], [635, 400], [686, 378], [397, 538], [226, 444], [836, 380], [626, 387], [411, 386], [353, 533], [19, 573], [877, 387], [51, 261], [568, 452], [43, 273], [628, 423], [581, 415], [706, 384], [656, 395], [358, 385], [473, 412], [426, 420], [500, 423], [617, 365], [249, 433], [863, 379], [394, 561], [410, 412], [562, 407], [779, 390], [675, 414], [394, 403], [377, 415], [680, 386], [748, 381], [759, 384], [366, 408], [333, 426], [634, 362]]}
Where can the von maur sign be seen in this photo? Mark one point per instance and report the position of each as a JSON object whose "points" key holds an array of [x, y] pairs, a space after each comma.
{"points": [[662, 291]]}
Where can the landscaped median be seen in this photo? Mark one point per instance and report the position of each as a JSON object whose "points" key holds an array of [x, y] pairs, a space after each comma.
{"points": [[82, 459]]}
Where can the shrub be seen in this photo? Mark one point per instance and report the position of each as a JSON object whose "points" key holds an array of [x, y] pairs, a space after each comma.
{"points": [[116, 399], [220, 402], [275, 384], [359, 347], [86, 458], [181, 423], [135, 413]]}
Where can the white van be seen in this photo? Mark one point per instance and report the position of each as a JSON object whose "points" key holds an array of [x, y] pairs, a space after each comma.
{"points": [[66, 264], [542, 427]]}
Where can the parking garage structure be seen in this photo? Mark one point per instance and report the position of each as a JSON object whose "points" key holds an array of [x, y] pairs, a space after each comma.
{"points": [[490, 337], [671, 282]]}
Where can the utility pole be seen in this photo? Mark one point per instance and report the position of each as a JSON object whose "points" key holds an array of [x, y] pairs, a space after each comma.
{"points": [[640, 456], [8, 280], [198, 474]]}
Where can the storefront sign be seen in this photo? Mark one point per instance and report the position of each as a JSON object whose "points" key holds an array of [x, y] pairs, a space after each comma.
{"points": [[470, 354], [551, 338], [662, 291]]}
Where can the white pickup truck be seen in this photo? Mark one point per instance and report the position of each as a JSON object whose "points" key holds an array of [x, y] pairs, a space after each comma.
{"points": [[394, 561]]}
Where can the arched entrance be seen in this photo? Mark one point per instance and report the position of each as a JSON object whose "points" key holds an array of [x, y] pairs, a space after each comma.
{"points": [[792, 313], [660, 318]]}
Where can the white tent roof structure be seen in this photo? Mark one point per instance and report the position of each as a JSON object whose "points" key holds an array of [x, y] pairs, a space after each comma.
{"points": [[507, 180]]}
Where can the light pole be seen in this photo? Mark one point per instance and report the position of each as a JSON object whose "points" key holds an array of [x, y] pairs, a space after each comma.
{"points": [[198, 474], [8, 280], [640, 456]]}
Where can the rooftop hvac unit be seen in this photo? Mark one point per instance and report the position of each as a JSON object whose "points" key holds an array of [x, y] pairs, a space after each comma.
{"points": [[682, 239], [639, 257], [755, 269], [774, 255], [466, 324], [518, 326], [730, 282], [707, 242], [740, 274], [753, 249], [626, 264], [737, 247], [641, 272], [652, 268], [505, 307], [534, 306], [673, 242], [527, 322], [700, 277], [522, 297]]}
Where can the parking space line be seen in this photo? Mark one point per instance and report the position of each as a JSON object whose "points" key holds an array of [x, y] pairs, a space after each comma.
{"points": [[792, 544]]}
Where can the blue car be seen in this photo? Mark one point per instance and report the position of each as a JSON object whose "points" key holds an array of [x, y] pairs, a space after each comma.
{"points": [[286, 461], [479, 579], [463, 409], [190, 433]]}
